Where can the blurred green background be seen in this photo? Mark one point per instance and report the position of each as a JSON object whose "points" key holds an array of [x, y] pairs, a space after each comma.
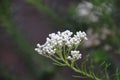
{"points": [[24, 23]]}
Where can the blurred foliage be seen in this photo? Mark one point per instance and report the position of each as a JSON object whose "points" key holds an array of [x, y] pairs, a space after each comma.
{"points": [[31, 60], [44, 9], [5, 74]]}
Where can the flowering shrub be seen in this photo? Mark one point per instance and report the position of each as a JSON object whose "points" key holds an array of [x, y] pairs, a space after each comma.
{"points": [[62, 48]]}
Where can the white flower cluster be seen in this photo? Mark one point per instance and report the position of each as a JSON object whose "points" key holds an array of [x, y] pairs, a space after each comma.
{"points": [[95, 38], [75, 55], [84, 8], [87, 11], [59, 40]]}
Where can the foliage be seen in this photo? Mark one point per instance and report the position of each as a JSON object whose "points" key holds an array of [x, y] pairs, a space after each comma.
{"points": [[29, 58]]}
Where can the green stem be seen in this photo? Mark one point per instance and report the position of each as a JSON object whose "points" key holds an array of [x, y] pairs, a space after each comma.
{"points": [[82, 72]]}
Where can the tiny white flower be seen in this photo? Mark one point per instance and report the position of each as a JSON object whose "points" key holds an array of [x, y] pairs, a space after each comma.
{"points": [[69, 58]]}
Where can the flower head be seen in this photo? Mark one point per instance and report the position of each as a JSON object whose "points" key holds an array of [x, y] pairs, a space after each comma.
{"points": [[62, 39]]}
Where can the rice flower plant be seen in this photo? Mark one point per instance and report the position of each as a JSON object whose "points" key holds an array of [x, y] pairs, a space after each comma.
{"points": [[61, 47]]}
